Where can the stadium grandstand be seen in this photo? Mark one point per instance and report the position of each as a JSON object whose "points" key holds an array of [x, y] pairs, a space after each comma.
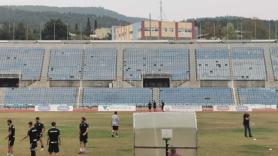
{"points": [[82, 74]]}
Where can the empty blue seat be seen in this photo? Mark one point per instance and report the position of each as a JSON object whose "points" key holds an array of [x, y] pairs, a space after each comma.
{"points": [[65, 64], [197, 96], [26, 62], [40, 96], [262, 96], [100, 64], [213, 64], [248, 64], [140, 61], [274, 60], [129, 96]]}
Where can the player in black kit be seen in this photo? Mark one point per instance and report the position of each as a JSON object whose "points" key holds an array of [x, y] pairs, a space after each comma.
{"points": [[10, 137], [33, 136], [40, 127], [53, 140], [83, 132]]}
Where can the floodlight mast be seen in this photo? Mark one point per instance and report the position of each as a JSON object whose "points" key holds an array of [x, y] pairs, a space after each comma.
{"points": [[166, 135], [166, 145], [161, 11]]}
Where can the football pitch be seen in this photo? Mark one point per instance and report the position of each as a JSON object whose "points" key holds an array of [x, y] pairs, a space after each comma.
{"points": [[219, 134]]}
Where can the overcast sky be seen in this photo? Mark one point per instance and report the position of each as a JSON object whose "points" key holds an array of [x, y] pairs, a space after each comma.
{"points": [[173, 9]]}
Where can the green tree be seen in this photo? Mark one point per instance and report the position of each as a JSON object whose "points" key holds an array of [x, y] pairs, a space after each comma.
{"points": [[76, 29], [4, 32], [59, 27], [88, 27], [95, 26], [229, 32], [20, 32]]}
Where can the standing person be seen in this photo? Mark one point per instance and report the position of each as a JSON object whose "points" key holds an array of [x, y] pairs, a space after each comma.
{"points": [[83, 131], [33, 136], [154, 106], [246, 124], [53, 140], [40, 128], [10, 137], [162, 106], [115, 124], [150, 106]]}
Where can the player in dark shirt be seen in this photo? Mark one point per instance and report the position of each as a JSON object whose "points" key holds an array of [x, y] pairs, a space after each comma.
{"points": [[10, 137], [162, 106], [40, 127], [53, 140], [150, 106], [83, 132], [246, 124], [33, 137], [154, 106]]}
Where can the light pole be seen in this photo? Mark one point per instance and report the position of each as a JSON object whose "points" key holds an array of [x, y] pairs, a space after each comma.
{"points": [[40, 31], [275, 30], [13, 30], [54, 32], [167, 135], [67, 31], [227, 31], [269, 27], [214, 31], [241, 35], [27, 32], [255, 29]]}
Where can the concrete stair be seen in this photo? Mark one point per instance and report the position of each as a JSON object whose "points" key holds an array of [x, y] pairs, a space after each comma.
{"points": [[193, 71], [122, 84], [79, 99], [156, 95], [46, 60], [40, 84], [236, 96], [44, 74], [268, 64]]}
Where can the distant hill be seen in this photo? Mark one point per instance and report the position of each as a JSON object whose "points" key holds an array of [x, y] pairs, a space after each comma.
{"points": [[97, 11]]}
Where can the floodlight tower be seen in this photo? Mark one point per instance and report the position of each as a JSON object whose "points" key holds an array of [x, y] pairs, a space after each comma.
{"points": [[161, 11]]}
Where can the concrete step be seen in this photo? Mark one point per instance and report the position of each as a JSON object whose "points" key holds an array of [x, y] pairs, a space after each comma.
{"points": [[79, 99], [268, 64], [46, 61], [156, 95], [120, 60], [122, 84], [40, 84]]}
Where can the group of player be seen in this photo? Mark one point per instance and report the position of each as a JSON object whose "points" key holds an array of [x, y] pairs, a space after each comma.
{"points": [[36, 131]]}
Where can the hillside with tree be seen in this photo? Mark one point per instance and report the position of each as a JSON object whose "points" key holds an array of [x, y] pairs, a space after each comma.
{"points": [[236, 28]]}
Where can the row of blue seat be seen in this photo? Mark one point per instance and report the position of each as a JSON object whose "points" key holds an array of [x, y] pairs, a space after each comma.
{"points": [[242, 64], [138, 96], [101, 63], [26, 62]]}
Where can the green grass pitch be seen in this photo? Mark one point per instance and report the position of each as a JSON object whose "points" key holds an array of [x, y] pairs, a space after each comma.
{"points": [[219, 134]]}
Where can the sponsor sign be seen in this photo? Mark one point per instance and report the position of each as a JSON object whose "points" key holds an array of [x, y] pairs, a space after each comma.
{"points": [[221, 108], [260, 106], [120, 108], [53, 108], [243, 109], [182, 108], [229, 108]]}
